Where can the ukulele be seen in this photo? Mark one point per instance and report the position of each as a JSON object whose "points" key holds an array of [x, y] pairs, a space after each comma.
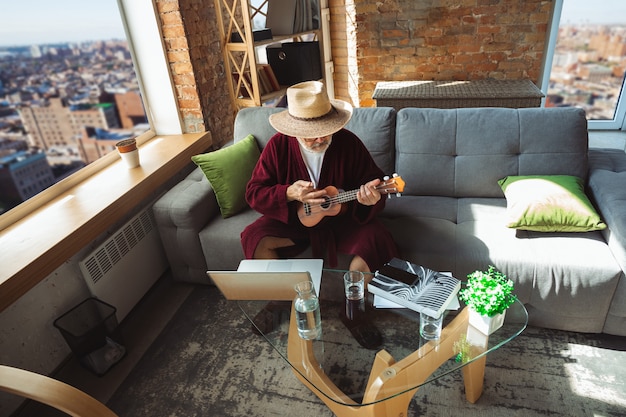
{"points": [[312, 214]]}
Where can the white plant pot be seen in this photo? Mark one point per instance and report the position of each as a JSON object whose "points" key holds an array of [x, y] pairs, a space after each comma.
{"points": [[486, 324]]}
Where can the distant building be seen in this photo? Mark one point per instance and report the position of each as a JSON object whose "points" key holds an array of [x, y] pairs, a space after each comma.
{"points": [[100, 115], [23, 175], [130, 109], [96, 142], [594, 73], [47, 124], [616, 47], [35, 51], [51, 123], [9, 146], [608, 46], [565, 59]]}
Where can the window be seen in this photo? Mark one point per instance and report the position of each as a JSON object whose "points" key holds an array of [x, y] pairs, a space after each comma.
{"points": [[137, 21], [59, 71], [587, 60]]}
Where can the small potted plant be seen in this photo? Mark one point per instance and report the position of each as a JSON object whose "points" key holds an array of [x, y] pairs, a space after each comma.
{"points": [[487, 294]]}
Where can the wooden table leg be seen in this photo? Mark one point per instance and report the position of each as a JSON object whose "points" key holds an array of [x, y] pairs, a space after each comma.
{"points": [[387, 377], [473, 378], [474, 373]]}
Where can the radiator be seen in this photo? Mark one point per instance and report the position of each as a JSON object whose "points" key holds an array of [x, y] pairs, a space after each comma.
{"points": [[123, 268]]}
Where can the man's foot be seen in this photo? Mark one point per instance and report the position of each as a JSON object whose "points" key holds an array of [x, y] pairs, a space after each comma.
{"points": [[355, 319]]}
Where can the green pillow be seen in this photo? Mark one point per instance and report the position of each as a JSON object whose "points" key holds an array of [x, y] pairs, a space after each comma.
{"points": [[549, 203], [228, 170]]}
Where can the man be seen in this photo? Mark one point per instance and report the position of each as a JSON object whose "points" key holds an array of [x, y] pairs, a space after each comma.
{"points": [[310, 152]]}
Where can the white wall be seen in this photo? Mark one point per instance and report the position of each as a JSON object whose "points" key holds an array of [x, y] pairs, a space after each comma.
{"points": [[28, 338]]}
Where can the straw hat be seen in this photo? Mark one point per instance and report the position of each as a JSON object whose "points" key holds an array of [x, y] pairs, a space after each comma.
{"points": [[310, 113]]}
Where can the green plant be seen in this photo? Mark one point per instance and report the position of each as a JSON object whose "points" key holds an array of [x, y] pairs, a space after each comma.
{"points": [[488, 292]]}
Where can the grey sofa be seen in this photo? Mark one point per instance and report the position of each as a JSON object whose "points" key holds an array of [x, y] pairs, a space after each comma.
{"points": [[451, 215]]}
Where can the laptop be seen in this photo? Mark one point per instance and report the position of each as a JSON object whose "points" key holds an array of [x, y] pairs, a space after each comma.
{"points": [[271, 279]]}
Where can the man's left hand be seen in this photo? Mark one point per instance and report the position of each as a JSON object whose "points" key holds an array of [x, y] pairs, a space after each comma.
{"points": [[368, 195]]}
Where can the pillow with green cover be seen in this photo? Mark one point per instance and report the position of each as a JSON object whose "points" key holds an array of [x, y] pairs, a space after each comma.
{"points": [[549, 203], [228, 170]]}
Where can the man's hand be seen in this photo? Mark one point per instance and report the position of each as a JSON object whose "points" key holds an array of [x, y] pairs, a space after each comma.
{"points": [[304, 192], [368, 195]]}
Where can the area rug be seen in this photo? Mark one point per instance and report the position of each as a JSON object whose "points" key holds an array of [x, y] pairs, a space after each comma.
{"points": [[206, 362]]}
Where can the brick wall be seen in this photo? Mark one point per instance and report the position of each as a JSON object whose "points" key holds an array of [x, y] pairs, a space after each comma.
{"points": [[371, 41], [436, 40], [343, 34], [191, 38]]}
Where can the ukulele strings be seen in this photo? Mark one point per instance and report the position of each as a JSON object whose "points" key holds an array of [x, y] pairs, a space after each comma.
{"points": [[345, 197]]}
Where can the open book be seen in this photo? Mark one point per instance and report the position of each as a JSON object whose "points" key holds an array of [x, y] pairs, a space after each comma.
{"points": [[413, 286]]}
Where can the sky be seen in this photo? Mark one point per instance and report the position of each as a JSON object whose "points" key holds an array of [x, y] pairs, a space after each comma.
{"points": [[27, 22], [598, 11]]}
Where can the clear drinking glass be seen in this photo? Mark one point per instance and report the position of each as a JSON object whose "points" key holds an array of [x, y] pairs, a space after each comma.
{"points": [[354, 284], [430, 327]]}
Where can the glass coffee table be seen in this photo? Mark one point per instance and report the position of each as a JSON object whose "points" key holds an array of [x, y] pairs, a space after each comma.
{"points": [[370, 361]]}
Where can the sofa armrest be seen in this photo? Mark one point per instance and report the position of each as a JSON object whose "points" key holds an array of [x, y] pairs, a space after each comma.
{"points": [[180, 214], [607, 186]]}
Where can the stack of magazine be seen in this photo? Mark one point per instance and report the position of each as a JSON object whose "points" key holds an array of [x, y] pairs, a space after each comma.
{"points": [[415, 287]]}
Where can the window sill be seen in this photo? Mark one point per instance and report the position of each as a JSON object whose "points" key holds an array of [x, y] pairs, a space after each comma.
{"points": [[35, 245]]}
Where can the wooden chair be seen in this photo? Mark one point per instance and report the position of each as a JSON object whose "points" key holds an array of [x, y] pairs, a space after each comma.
{"points": [[51, 392]]}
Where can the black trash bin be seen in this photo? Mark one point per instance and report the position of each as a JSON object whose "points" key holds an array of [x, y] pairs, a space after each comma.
{"points": [[91, 331]]}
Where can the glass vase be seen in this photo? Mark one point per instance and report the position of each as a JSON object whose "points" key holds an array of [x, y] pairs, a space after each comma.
{"points": [[307, 307]]}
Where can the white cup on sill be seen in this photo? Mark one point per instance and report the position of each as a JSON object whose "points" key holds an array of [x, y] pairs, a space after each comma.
{"points": [[128, 151]]}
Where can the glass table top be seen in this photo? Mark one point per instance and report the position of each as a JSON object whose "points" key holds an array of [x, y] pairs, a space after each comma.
{"points": [[354, 333]]}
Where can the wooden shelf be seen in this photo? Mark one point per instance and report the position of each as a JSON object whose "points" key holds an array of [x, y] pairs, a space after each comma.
{"points": [[264, 98], [280, 38], [240, 60]]}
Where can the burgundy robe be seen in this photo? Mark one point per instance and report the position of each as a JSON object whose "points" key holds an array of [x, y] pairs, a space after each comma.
{"points": [[347, 165]]}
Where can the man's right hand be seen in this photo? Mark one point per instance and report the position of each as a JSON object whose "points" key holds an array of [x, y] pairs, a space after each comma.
{"points": [[305, 192], [298, 190]]}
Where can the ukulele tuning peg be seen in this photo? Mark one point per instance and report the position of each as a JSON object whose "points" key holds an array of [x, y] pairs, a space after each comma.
{"points": [[386, 178], [395, 174]]}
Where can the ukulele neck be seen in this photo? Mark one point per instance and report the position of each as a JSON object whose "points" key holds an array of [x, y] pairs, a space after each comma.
{"points": [[347, 196]]}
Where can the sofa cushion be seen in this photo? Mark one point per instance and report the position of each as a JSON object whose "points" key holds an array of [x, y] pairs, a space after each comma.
{"points": [[221, 240], [549, 203], [376, 127], [464, 152], [465, 234], [255, 121], [228, 170]]}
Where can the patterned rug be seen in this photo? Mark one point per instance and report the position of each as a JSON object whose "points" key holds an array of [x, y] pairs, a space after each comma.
{"points": [[206, 362]]}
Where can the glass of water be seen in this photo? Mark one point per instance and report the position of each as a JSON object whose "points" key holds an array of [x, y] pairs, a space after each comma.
{"points": [[430, 327], [354, 284]]}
